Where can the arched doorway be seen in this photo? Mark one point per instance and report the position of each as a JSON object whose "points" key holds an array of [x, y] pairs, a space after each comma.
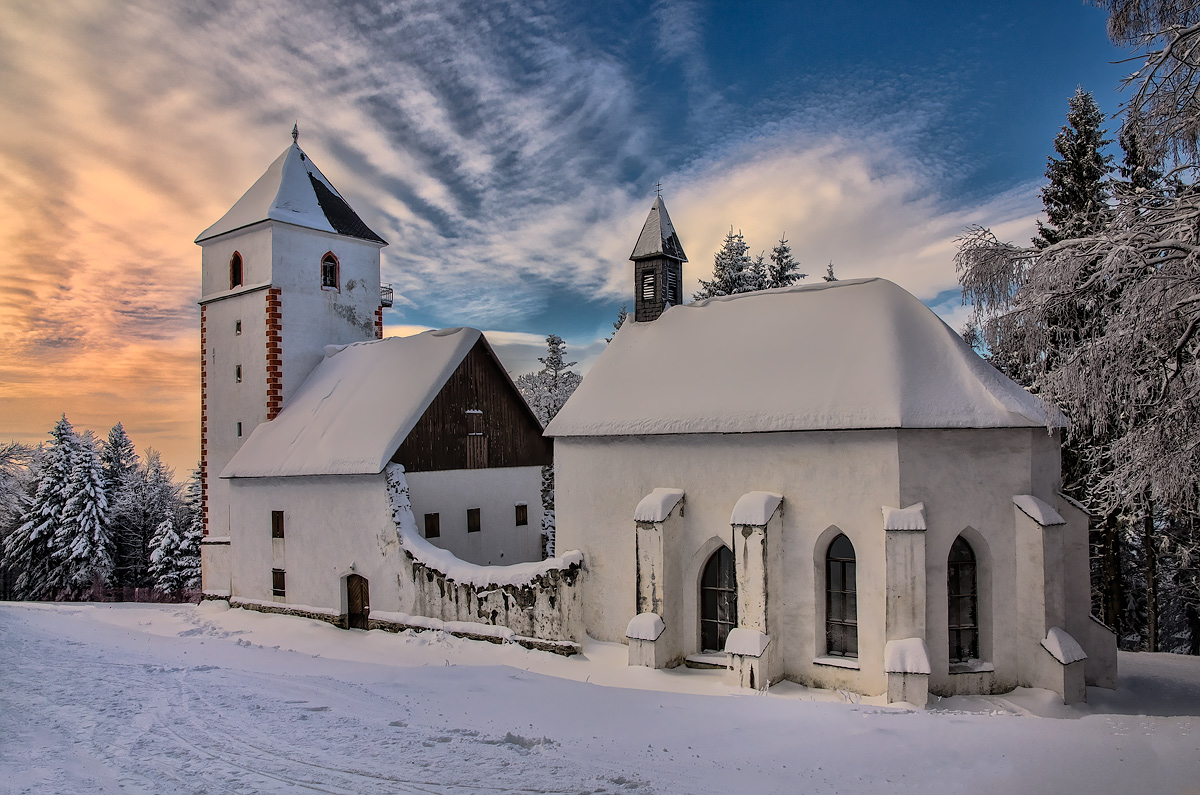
{"points": [[358, 602], [718, 600]]}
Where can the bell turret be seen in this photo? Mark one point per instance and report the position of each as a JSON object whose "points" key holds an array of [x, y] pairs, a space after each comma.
{"points": [[657, 265]]}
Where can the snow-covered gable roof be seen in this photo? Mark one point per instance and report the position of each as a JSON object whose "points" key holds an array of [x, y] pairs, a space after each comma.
{"points": [[837, 355], [658, 236], [356, 407], [293, 190]]}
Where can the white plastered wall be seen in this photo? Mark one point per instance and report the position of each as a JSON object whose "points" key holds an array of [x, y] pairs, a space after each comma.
{"points": [[832, 482], [496, 493]]}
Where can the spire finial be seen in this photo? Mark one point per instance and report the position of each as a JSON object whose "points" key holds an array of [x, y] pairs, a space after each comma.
{"points": [[295, 131], [658, 189]]}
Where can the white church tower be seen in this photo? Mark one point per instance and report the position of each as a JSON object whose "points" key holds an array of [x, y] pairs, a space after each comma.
{"points": [[288, 270]]}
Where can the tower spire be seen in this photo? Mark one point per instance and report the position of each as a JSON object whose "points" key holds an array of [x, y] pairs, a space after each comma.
{"points": [[295, 132]]}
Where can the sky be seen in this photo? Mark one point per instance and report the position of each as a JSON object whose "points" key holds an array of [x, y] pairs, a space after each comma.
{"points": [[508, 151]]}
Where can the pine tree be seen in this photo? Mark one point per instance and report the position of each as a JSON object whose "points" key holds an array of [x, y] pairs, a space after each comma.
{"points": [[1076, 200], [547, 392], [145, 498], [782, 272], [175, 546], [732, 269], [83, 546], [756, 275], [119, 457], [622, 314], [29, 550], [829, 277]]}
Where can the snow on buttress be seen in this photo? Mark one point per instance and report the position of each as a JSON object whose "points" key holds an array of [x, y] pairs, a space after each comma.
{"points": [[907, 656], [454, 568], [645, 626], [858, 353], [287, 192], [755, 508], [1037, 510], [657, 505], [910, 518], [1064, 647], [356, 407], [747, 642]]}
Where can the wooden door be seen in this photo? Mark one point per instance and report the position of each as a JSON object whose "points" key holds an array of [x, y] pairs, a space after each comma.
{"points": [[358, 601]]}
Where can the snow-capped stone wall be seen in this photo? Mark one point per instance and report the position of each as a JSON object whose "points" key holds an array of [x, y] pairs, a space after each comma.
{"points": [[537, 601]]}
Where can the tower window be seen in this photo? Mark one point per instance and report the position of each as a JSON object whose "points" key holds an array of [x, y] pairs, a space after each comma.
{"points": [[239, 430], [237, 373], [235, 270], [648, 285], [433, 525], [473, 525], [237, 328], [276, 524], [278, 585], [522, 514], [330, 277]]}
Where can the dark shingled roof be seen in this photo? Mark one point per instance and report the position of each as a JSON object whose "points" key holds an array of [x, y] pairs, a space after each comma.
{"points": [[340, 215], [658, 236]]}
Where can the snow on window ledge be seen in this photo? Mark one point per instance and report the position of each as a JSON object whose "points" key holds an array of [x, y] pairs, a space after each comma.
{"points": [[972, 667], [850, 663]]}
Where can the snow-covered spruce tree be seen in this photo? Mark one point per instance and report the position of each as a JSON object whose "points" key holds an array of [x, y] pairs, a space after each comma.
{"points": [[83, 546], [622, 314], [28, 551], [547, 391], [1076, 197], [783, 270], [17, 470], [119, 457], [829, 277], [175, 546], [732, 269], [145, 498], [756, 276]]}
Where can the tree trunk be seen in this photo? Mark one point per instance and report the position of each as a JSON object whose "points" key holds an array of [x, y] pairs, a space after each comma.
{"points": [[1110, 550], [1151, 552]]}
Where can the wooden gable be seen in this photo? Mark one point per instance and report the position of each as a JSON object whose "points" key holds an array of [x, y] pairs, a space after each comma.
{"points": [[477, 420]]}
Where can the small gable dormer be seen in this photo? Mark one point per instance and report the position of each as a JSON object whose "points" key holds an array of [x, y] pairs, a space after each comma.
{"points": [[657, 265]]}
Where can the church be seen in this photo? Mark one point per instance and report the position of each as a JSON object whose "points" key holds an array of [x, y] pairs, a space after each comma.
{"points": [[821, 483]]}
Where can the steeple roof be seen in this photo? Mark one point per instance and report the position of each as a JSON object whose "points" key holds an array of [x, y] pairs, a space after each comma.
{"points": [[658, 236], [293, 190]]}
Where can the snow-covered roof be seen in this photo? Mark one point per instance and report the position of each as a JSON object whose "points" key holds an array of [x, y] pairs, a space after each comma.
{"points": [[658, 236], [356, 407], [645, 626], [1064, 647], [907, 656], [746, 642], [293, 190], [837, 355], [1037, 510]]}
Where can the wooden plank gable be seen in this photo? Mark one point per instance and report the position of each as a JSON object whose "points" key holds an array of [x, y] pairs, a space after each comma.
{"points": [[477, 420]]}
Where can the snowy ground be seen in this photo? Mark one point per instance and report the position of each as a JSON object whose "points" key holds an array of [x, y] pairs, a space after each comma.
{"points": [[178, 699]]}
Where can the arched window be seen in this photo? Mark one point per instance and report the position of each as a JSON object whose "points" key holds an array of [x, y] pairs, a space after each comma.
{"points": [[963, 620], [235, 270], [841, 600], [330, 279], [718, 600]]}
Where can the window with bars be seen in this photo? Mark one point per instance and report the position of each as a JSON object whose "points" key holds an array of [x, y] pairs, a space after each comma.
{"points": [[433, 525], [522, 514], [718, 600], [841, 600], [473, 525], [963, 607], [276, 524], [278, 583]]}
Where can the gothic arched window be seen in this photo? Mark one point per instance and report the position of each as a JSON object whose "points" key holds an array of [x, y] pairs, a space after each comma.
{"points": [[718, 600], [963, 618], [330, 278], [235, 270], [841, 600]]}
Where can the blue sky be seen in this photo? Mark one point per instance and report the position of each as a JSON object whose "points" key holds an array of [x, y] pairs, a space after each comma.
{"points": [[507, 150]]}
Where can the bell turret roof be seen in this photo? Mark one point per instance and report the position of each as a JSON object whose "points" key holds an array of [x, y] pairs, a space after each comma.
{"points": [[293, 190], [658, 236]]}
